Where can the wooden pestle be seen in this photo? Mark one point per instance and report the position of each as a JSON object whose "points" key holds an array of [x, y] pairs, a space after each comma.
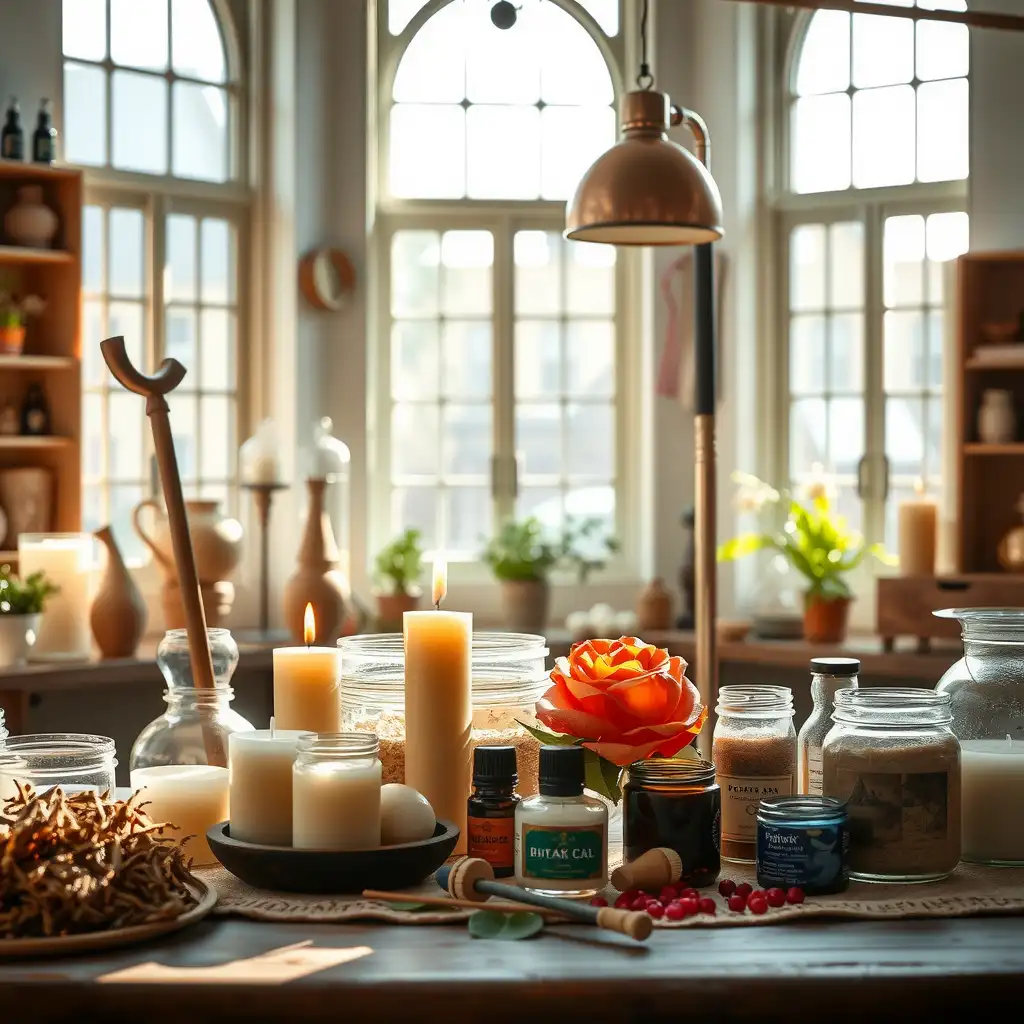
{"points": [[473, 879], [153, 389], [651, 870]]}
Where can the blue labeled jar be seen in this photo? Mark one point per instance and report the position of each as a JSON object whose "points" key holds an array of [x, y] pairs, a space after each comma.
{"points": [[803, 841]]}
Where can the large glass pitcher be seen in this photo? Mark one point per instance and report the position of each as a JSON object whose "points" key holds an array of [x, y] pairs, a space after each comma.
{"points": [[986, 689]]}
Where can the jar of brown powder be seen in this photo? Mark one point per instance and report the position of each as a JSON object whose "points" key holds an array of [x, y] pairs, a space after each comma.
{"points": [[892, 755], [754, 751]]}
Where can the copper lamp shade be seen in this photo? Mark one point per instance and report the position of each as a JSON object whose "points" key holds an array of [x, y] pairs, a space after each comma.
{"points": [[646, 189]]}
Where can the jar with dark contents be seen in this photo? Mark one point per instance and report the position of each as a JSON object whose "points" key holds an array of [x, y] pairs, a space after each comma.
{"points": [[674, 803]]}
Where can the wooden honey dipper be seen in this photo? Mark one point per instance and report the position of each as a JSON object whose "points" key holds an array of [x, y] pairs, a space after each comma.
{"points": [[473, 879]]}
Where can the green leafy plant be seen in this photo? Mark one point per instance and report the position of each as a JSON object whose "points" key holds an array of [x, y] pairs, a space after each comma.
{"points": [[24, 597], [15, 309], [400, 564], [523, 551], [814, 538]]}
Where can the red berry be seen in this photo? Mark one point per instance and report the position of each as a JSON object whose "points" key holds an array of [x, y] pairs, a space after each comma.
{"points": [[690, 906], [623, 902], [775, 897], [744, 889], [726, 887], [689, 894], [737, 903], [757, 904], [706, 905], [640, 903], [631, 894], [756, 892], [599, 901], [675, 912], [668, 894], [795, 895], [655, 910]]}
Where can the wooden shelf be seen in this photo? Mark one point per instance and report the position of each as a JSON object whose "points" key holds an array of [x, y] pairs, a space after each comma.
{"points": [[37, 362], [37, 172], [26, 254], [8, 556], [978, 448], [981, 364], [18, 441]]}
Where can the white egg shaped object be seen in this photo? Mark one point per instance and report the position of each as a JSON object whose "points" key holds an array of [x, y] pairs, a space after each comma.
{"points": [[405, 815]]}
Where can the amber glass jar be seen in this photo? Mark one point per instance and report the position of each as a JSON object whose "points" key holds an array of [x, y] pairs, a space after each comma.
{"points": [[674, 803]]}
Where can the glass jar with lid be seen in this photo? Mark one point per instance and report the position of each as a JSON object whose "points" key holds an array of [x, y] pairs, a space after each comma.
{"points": [[509, 678], [73, 761], [827, 676], [893, 757], [182, 734]]}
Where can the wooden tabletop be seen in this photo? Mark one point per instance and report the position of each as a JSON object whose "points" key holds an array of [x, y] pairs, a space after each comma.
{"points": [[570, 973]]}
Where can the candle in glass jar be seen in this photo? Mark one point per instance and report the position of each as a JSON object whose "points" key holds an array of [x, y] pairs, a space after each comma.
{"points": [[191, 797], [992, 780], [438, 707], [917, 526], [64, 631], [307, 684]]}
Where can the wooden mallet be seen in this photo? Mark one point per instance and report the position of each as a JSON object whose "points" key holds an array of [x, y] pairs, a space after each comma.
{"points": [[153, 389], [473, 879]]}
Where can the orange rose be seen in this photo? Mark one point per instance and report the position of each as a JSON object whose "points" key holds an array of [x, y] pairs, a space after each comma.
{"points": [[628, 700]]}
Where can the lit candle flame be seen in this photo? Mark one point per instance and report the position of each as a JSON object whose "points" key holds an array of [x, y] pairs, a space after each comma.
{"points": [[440, 588], [919, 487], [308, 625]]}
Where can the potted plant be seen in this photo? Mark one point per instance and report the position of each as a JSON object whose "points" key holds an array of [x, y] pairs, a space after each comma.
{"points": [[14, 311], [522, 556], [398, 570], [816, 541], [21, 604]]}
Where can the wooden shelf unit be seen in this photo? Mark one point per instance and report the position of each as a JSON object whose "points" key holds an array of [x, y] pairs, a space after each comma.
{"points": [[990, 477], [53, 343]]}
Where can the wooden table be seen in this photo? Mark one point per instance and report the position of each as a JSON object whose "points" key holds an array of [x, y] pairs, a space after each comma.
{"points": [[436, 973]]}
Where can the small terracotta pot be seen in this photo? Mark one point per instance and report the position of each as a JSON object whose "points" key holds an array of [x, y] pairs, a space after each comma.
{"points": [[524, 604], [12, 340], [825, 620], [391, 608]]}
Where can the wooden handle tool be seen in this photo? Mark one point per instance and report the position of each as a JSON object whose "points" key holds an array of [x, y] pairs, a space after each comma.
{"points": [[473, 879], [651, 870]]}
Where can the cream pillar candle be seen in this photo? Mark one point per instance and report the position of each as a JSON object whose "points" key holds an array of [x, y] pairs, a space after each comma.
{"points": [[992, 780], [438, 705], [307, 685], [917, 531], [336, 792], [191, 797], [261, 765], [64, 631]]}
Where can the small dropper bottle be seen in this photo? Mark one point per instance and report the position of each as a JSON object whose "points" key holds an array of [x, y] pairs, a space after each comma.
{"points": [[12, 137], [491, 810]]}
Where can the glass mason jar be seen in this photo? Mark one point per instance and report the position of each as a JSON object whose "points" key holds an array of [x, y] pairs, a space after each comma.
{"points": [[892, 756], [181, 734], [73, 761], [508, 679], [754, 751], [986, 692], [827, 676]]}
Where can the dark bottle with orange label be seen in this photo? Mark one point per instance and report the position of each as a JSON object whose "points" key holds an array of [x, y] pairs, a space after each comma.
{"points": [[491, 811]]}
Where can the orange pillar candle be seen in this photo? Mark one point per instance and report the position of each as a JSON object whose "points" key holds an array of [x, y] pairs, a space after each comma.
{"points": [[438, 705], [307, 685], [917, 522]]}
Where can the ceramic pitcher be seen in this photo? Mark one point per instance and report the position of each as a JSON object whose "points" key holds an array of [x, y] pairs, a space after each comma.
{"points": [[216, 539]]}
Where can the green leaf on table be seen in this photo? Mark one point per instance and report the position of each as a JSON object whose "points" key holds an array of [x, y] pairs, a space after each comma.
{"points": [[548, 738], [489, 924], [412, 905]]}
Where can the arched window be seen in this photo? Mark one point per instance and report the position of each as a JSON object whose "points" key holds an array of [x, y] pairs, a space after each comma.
{"points": [[872, 218], [498, 342], [152, 105]]}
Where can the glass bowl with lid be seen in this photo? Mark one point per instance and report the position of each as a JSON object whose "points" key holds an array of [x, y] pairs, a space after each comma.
{"points": [[509, 677]]}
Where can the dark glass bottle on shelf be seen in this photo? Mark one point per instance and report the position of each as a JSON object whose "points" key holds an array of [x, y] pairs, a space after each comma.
{"points": [[12, 137], [35, 412], [44, 138]]}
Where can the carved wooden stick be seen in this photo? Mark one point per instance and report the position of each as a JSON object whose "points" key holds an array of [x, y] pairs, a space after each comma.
{"points": [[153, 389]]}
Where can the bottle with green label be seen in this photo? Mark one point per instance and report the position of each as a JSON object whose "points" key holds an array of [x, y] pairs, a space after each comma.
{"points": [[561, 846]]}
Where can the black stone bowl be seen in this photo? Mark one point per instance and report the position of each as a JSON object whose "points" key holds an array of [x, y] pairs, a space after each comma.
{"points": [[324, 872]]}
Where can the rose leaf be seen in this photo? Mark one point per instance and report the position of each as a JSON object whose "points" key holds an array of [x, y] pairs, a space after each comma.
{"points": [[601, 776], [549, 738], [488, 924]]}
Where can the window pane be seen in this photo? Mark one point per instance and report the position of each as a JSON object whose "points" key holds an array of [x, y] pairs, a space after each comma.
{"points": [[883, 136], [433, 67], [605, 13], [185, 429], [807, 267], [200, 131], [845, 434], [218, 261], [196, 44], [883, 50], [936, 348], [572, 68], [538, 358], [501, 66], [544, 503], [846, 336], [415, 256], [943, 51], [947, 236], [902, 254], [846, 265], [138, 33], [219, 444], [414, 359], [428, 151], [414, 440], [217, 352], [180, 270], [415, 507], [596, 502], [85, 114], [401, 12], [905, 350], [538, 283], [126, 438], [503, 152], [92, 249], [807, 433], [123, 499], [590, 279], [590, 358], [942, 130], [824, 64], [590, 440], [85, 29], [140, 122], [820, 159], [466, 441], [904, 435], [94, 370], [126, 319], [572, 138], [807, 340], [94, 438], [125, 273], [933, 438], [539, 439], [466, 259], [466, 370], [180, 344], [467, 519]]}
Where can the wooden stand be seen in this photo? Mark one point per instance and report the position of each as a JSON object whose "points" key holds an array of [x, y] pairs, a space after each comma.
{"points": [[263, 496]]}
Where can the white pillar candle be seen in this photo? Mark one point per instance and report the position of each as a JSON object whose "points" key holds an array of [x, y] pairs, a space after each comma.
{"points": [[336, 793], [307, 685], [64, 631], [992, 779], [192, 797], [261, 764]]}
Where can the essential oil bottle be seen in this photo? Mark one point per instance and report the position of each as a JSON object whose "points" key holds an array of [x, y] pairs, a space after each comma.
{"points": [[12, 136], [491, 810]]}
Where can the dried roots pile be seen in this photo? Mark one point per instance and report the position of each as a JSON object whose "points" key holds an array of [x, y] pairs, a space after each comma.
{"points": [[85, 863]]}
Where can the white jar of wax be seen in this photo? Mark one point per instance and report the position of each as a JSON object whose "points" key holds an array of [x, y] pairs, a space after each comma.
{"points": [[336, 784]]}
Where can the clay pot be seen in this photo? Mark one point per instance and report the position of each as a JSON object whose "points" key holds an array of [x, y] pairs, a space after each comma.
{"points": [[524, 604], [824, 620], [26, 495], [218, 599], [118, 613], [317, 580], [216, 539], [392, 607], [12, 339], [654, 607], [17, 634], [30, 221], [997, 419]]}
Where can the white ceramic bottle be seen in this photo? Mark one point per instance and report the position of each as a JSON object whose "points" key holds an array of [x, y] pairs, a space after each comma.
{"points": [[997, 419]]}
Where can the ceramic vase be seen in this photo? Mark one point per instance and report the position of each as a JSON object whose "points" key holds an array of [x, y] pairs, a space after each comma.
{"points": [[997, 420], [317, 580], [26, 495], [216, 539], [30, 221], [524, 604], [118, 614], [654, 607]]}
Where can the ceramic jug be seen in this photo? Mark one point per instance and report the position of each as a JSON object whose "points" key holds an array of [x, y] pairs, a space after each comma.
{"points": [[997, 419], [30, 221], [118, 613], [216, 539]]}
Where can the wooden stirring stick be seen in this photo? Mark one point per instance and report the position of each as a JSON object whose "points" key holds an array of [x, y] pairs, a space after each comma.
{"points": [[473, 879], [499, 906], [153, 389]]}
